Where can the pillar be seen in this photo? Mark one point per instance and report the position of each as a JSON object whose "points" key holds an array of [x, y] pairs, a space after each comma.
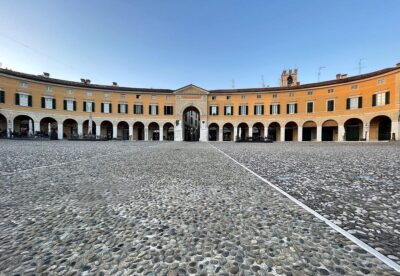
{"points": [[395, 130], [161, 133], [235, 133], [250, 131], [319, 133], [10, 128], [221, 134], [60, 131], [300, 133], [203, 131], [98, 130], [341, 133], [146, 133], [282, 134], [80, 130], [178, 135], [130, 132], [115, 132], [36, 127]]}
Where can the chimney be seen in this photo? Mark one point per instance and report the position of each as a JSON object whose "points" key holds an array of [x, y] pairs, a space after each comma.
{"points": [[46, 75], [87, 81], [398, 64], [83, 81], [341, 76], [115, 83], [298, 83]]}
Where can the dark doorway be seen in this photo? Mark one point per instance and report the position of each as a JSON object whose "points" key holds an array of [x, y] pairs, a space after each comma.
{"points": [[191, 124]]}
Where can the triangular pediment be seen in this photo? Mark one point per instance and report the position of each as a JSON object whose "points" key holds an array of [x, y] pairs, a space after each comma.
{"points": [[191, 90]]}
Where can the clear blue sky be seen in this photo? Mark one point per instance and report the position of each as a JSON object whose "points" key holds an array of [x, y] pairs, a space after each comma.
{"points": [[169, 44]]}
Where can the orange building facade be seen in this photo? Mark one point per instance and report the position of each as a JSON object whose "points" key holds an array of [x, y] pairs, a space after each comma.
{"points": [[359, 108]]}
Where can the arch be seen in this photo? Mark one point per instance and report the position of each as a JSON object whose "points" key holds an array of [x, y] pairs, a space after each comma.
{"points": [[309, 131], [138, 131], [154, 131], [213, 132], [85, 127], [258, 132], [70, 129], [243, 132], [228, 132], [291, 131], [106, 130], [330, 130], [274, 131], [353, 129], [380, 128], [168, 132], [23, 126], [48, 128], [191, 123], [3, 126], [123, 130]]}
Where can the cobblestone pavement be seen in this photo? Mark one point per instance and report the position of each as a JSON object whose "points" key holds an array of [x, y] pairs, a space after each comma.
{"points": [[355, 185], [157, 209]]}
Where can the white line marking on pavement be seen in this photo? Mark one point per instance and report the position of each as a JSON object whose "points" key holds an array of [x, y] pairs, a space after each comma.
{"points": [[352, 238]]}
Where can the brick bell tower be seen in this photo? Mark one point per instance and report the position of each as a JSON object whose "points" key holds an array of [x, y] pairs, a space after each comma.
{"points": [[289, 78]]}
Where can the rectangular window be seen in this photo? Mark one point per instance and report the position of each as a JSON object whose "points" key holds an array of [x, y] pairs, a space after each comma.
{"points": [[243, 97], [23, 100], [69, 91], [48, 103], [309, 93], [330, 105], [228, 97], [274, 96], [24, 84], [89, 93], [213, 110], [153, 97], [258, 96], [291, 94], [168, 97], [168, 110], [354, 87], [354, 103], [106, 108], [123, 108], [291, 108], [331, 90], [275, 109], [89, 106], [259, 109], [381, 81], [49, 88], [310, 107], [228, 110], [380, 99], [2, 96], [243, 110], [138, 108], [137, 96], [213, 98], [153, 109], [70, 105]]}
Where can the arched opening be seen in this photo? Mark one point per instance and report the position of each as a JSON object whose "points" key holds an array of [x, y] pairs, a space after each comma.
{"points": [[380, 128], [191, 124], [213, 132], [274, 131], [89, 128], [106, 130], [70, 129], [48, 128], [228, 132], [291, 131], [330, 130], [243, 132], [138, 131], [258, 132], [309, 131], [23, 126], [154, 132], [3, 126], [353, 129], [123, 130], [168, 132]]}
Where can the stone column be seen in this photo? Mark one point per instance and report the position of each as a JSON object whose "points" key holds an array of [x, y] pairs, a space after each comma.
{"points": [[221, 134], [178, 131], [341, 133], [146, 133], [161, 133], [10, 127], [60, 131], [300, 133], [319, 133], [98, 130], [235, 133], [282, 134], [80, 130], [250, 131], [395, 130], [130, 132], [203, 131], [115, 132]]}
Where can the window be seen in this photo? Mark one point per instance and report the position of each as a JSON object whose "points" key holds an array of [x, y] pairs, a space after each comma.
{"points": [[243, 110], [153, 97], [243, 97], [275, 109], [48, 103], [23, 99], [168, 97], [330, 105], [331, 90], [106, 107], [291, 108], [89, 94], [138, 108], [228, 97], [274, 96], [354, 103], [23, 84], [354, 87], [168, 110], [123, 96], [213, 110], [2, 96], [258, 96], [228, 110], [380, 99], [213, 98], [123, 108], [70, 105], [69, 91], [291, 94], [381, 81], [106, 94], [137, 96], [310, 107], [49, 88], [309, 93], [153, 109], [259, 109], [88, 106]]}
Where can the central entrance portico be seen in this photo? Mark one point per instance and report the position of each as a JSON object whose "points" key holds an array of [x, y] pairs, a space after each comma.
{"points": [[191, 106]]}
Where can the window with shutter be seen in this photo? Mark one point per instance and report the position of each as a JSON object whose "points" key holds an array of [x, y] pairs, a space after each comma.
{"points": [[2, 96], [310, 107], [29, 100], [359, 102]]}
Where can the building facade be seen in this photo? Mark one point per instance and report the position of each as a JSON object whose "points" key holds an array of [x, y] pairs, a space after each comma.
{"points": [[364, 107]]}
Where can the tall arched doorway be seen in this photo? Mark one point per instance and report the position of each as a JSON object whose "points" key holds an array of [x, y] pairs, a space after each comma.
{"points": [[258, 132], [168, 132], [380, 128], [291, 131], [70, 129], [106, 130], [23, 126], [48, 128], [154, 132], [191, 124], [228, 130], [138, 131], [3, 126], [330, 130], [309, 131], [123, 130], [353, 129], [213, 132], [274, 131]]}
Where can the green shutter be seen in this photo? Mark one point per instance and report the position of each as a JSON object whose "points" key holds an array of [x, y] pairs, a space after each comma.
{"points": [[84, 106], [65, 104], [54, 104], [110, 109], [43, 102], [295, 108], [359, 102], [119, 108], [374, 100], [279, 109], [16, 99], [270, 109], [30, 100], [287, 109], [93, 110], [2, 96], [348, 103], [74, 105], [102, 108], [387, 98]]}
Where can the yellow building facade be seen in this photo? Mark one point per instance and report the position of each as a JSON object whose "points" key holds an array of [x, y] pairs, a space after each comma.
{"points": [[364, 107]]}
